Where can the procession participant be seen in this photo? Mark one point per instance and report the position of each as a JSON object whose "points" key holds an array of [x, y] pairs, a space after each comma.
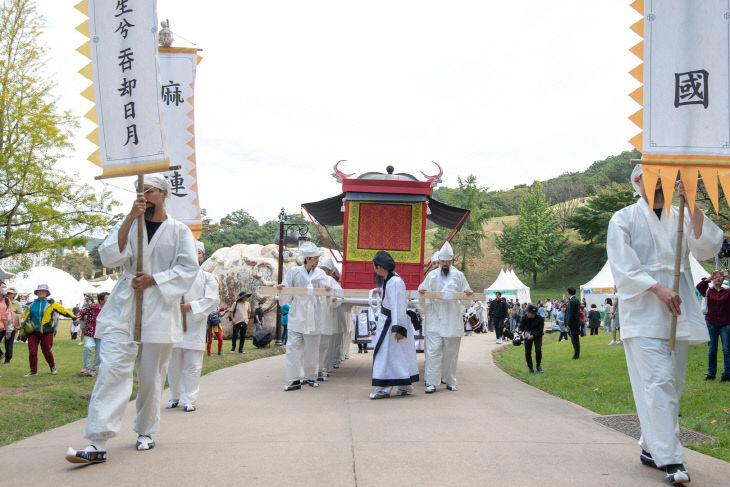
{"points": [[302, 346], [345, 325], [186, 361], [443, 322], [40, 313], [170, 267], [394, 356], [641, 251], [329, 330], [239, 316]]}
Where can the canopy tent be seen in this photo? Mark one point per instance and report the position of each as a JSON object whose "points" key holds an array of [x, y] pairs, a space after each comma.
{"points": [[88, 287], [602, 285], [523, 292], [106, 285], [4, 275], [62, 285], [508, 287]]}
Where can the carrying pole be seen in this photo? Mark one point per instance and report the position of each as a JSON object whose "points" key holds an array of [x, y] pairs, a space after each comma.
{"points": [[677, 267], [140, 250]]}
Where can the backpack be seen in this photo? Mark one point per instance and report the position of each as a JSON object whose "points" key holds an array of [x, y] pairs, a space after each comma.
{"points": [[214, 319]]}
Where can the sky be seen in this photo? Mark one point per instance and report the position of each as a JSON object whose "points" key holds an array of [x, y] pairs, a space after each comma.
{"points": [[511, 92]]}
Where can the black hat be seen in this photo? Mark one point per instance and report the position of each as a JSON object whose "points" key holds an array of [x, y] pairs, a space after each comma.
{"points": [[531, 308], [243, 294], [384, 260]]}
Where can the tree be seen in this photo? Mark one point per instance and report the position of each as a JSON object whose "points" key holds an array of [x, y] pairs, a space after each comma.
{"points": [[41, 207], [75, 263], [470, 196], [533, 244], [591, 220]]}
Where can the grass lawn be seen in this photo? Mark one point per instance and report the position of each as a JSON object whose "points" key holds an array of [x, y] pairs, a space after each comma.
{"points": [[30, 405], [599, 381]]}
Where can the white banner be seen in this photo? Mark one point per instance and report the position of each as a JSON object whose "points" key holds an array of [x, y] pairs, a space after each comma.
{"points": [[177, 68], [686, 66], [126, 80]]}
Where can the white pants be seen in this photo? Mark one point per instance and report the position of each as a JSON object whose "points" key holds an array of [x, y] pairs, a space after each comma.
{"points": [[114, 386], [183, 375], [302, 356], [326, 344], [442, 353], [657, 380]]}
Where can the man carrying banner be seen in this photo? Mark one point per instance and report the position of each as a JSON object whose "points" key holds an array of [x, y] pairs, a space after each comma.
{"points": [[170, 268], [329, 324], [394, 356], [443, 321], [305, 313], [186, 362], [641, 252]]}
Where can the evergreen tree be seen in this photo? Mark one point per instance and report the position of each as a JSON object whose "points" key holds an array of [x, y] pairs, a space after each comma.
{"points": [[591, 220]]}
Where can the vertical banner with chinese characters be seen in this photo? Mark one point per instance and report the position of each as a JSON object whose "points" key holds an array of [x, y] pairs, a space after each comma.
{"points": [[177, 68], [686, 106], [124, 69]]}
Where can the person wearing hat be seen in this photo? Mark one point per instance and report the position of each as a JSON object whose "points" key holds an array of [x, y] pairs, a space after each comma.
{"points": [[186, 362], [170, 268], [16, 312], [394, 355], [641, 250], [305, 320], [239, 316], [532, 326], [40, 328], [329, 332], [443, 321]]}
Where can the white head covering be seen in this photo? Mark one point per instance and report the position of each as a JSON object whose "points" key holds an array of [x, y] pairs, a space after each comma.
{"points": [[446, 252], [158, 181], [308, 249], [635, 174], [200, 245], [328, 264], [435, 258]]}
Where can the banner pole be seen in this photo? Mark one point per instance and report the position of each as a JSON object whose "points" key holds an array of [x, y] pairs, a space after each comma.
{"points": [[677, 266], [140, 250]]}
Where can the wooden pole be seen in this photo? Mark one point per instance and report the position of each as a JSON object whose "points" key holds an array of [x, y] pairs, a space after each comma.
{"points": [[677, 267], [184, 316], [140, 251]]}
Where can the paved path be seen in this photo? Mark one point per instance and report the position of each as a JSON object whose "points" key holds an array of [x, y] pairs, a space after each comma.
{"points": [[494, 431]]}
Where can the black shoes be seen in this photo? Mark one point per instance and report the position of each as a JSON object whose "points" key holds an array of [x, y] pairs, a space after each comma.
{"points": [[293, 386], [709, 377], [647, 459], [725, 378], [677, 474]]}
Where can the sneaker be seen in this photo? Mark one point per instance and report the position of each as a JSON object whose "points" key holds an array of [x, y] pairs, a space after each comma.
{"points": [[725, 378], [619, 342], [710, 377], [539, 369], [92, 373], [54, 371], [613, 342], [451, 387], [430, 389], [209, 354], [646, 459], [172, 403], [145, 442], [85, 370], [311, 383], [499, 340], [241, 351], [405, 391], [677, 474], [84, 456], [31, 374], [531, 371], [293, 386], [322, 378], [188, 408], [219, 353]]}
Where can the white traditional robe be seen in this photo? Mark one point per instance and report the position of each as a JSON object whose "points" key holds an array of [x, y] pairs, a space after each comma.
{"points": [[304, 328], [444, 326], [641, 250], [186, 362], [394, 363], [329, 335], [171, 258]]}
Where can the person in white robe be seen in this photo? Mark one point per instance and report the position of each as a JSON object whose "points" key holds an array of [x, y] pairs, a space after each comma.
{"points": [[443, 321], [641, 251], [186, 362], [170, 267], [305, 312], [330, 334], [394, 356]]}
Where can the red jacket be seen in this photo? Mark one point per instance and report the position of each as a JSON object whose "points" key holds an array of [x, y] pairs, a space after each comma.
{"points": [[718, 303]]}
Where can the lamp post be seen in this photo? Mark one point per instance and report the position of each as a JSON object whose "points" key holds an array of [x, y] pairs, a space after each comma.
{"points": [[302, 233]]}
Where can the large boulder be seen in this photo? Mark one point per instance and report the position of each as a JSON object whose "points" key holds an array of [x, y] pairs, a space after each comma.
{"points": [[245, 267]]}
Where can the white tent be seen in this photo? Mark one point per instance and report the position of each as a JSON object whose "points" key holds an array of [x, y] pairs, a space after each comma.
{"points": [[523, 292], [602, 285], [508, 287], [88, 287], [106, 285], [62, 285]]}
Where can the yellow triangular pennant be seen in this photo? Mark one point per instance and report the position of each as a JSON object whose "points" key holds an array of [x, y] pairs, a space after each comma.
{"points": [[649, 175], [95, 158], [638, 73], [85, 49], [91, 115], [638, 6], [638, 141], [638, 95], [83, 28], [87, 72], [689, 180], [93, 137], [88, 93], [725, 183], [83, 7], [638, 27], [709, 179], [638, 50], [669, 178], [638, 118]]}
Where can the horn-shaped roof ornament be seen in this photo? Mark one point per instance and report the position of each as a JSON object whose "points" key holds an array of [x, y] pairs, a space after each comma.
{"points": [[436, 178], [339, 175]]}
